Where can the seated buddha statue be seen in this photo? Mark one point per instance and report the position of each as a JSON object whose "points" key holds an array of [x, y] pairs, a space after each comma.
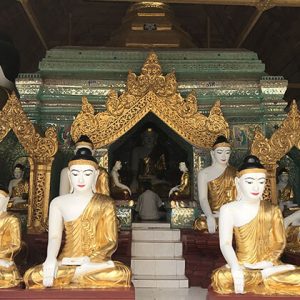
{"points": [[183, 190], [284, 190], [118, 189], [102, 185], [18, 187], [257, 225], [10, 243], [90, 225], [292, 226], [148, 162], [216, 182]]}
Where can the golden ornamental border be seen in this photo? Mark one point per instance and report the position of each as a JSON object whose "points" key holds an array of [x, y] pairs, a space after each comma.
{"points": [[41, 151], [270, 151], [153, 92]]}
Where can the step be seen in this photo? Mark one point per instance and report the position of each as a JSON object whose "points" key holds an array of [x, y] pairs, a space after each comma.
{"points": [[152, 281], [156, 234], [156, 249], [164, 266], [149, 225]]}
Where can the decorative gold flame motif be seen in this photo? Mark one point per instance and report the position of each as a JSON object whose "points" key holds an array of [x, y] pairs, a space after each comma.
{"points": [[150, 92], [41, 151], [270, 151]]}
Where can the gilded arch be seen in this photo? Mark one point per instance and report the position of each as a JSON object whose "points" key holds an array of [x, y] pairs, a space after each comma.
{"points": [[150, 91], [270, 151], [41, 151]]}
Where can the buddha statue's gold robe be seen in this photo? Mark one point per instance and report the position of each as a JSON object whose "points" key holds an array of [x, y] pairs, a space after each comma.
{"points": [[222, 189], [93, 234], [20, 190], [286, 194], [10, 245], [102, 184], [263, 238], [293, 239]]}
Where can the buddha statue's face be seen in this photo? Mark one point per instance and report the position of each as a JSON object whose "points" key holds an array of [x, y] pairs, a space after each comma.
{"points": [[18, 173], [250, 186], [221, 155], [149, 138], [118, 165], [284, 177], [83, 177], [182, 167]]}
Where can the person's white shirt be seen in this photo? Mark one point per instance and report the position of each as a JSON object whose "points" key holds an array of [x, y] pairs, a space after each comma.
{"points": [[148, 204]]}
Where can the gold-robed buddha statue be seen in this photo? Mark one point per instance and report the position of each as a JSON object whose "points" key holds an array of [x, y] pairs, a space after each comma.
{"points": [[260, 240], [18, 188], [119, 190], [91, 236], [285, 194], [10, 244], [216, 184], [183, 190]]}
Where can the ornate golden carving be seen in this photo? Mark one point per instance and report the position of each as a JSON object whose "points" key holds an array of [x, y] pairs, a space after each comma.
{"points": [[150, 92], [269, 151], [40, 150]]}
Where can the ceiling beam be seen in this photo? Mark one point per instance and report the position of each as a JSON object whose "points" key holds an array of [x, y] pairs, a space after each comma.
{"points": [[34, 21], [289, 3]]}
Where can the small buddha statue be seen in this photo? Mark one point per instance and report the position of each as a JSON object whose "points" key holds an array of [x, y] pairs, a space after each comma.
{"points": [[292, 226], [102, 185], [183, 190], [285, 192], [18, 187], [10, 243], [257, 225], [118, 189], [216, 183], [90, 224]]}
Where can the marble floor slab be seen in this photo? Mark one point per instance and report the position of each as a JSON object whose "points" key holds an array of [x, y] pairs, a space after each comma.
{"points": [[192, 293]]}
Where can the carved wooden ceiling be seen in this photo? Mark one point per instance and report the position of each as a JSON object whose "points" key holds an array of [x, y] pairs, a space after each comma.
{"points": [[271, 28]]}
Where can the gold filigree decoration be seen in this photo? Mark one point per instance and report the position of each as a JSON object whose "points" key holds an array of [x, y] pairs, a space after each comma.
{"points": [[41, 151], [283, 139], [270, 151], [150, 92], [13, 117]]}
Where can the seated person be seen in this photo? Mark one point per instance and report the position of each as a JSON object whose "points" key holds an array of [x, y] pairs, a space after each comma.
{"points": [[118, 189], [18, 187], [260, 240], [284, 190], [10, 244], [216, 183], [148, 204], [90, 225], [102, 185], [183, 190], [292, 226]]}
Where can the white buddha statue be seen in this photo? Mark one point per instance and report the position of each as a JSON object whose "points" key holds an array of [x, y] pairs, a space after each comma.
{"points": [[182, 190], [118, 189], [257, 225], [10, 243], [90, 225], [216, 183], [18, 187], [102, 185]]}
